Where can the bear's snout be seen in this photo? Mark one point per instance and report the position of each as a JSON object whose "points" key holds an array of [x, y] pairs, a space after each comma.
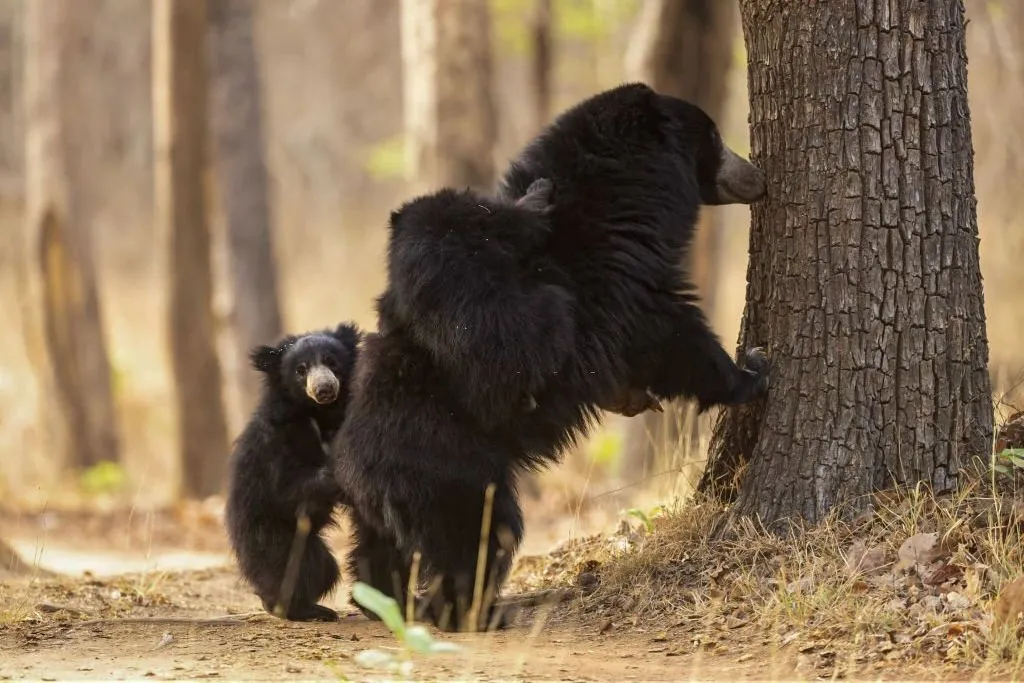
{"points": [[321, 385]]}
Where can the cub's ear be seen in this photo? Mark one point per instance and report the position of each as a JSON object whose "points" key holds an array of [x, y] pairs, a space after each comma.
{"points": [[348, 334], [266, 358], [538, 196]]}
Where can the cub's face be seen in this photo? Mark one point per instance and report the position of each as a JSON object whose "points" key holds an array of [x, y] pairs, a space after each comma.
{"points": [[308, 368], [314, 364]]}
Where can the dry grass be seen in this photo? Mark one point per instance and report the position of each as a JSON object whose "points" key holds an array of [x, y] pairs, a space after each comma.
{"points": [[840, 597]]}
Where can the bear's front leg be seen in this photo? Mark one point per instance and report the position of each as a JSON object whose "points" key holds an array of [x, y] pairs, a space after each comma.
{"points": [[691, 363]]}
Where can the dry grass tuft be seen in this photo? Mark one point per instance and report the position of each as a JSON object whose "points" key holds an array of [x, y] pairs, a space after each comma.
{"points": [[913, 581]]}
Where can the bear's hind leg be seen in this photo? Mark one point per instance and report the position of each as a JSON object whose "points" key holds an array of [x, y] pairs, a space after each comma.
{"points": [[375, 561], [453, 557], [318, 573]]}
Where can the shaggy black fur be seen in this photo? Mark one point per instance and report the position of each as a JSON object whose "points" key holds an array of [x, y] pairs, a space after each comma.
{"points": [[281, 474], [490, 302]]}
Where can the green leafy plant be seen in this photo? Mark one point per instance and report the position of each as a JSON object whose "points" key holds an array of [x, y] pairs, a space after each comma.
{"points": [[606, 448], [386, 159], [105, 478], [1009, 460], [414, 638], [647, 518]]}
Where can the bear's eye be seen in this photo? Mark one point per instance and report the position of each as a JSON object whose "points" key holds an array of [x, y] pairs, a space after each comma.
{"points": [[301, 369]]}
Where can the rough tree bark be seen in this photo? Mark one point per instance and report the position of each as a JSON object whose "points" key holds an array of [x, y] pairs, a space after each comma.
{"points": [[179, 111], [541, 58], [236, 118], [64, 323], [682, 48], [863, 281], [450, 118]]}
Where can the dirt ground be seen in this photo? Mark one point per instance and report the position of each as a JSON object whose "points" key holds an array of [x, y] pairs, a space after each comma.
{"points": [[133, 593], [152, 597]]}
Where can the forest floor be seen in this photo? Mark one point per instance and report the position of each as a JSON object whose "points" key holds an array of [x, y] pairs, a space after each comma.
{"points": [[155, 596]]}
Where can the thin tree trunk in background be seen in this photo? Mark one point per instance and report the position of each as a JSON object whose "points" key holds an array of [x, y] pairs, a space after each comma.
{"points": [[450, 118], [64, 325], [683, 48], [541, 61], [12, 108], [236, 118], [179, 110], [864, 282]]}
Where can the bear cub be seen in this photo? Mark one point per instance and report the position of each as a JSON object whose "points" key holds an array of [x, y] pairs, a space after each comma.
{"points": [[282, 486]]}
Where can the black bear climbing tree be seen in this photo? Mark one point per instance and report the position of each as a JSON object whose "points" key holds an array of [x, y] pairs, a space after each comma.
{"points": [[864, 280]]}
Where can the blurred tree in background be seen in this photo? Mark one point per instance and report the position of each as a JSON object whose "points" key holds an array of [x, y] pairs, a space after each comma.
{"points": [[237, 131], [450, 118], [309, 135], [179, 110], [684, 48], [542, 60], [62, 312]]}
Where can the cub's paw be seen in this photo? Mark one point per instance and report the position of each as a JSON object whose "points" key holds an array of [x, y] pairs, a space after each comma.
{"points": [[313, 613]]}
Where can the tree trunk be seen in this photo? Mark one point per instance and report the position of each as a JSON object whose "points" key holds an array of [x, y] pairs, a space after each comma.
{"points": [[450, 119], [236, 117], [64, 323], [683, 48], [864, 283], [541, 58], [179, 110]]}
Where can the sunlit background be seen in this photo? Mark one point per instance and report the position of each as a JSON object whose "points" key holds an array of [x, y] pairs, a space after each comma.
{"points": [[330, 75]]}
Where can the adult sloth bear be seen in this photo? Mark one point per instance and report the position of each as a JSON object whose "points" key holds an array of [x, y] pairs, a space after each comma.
{"points": [[509, 322]]}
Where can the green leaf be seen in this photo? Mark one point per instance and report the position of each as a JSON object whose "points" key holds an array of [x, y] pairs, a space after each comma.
{"points": [[1017, 461], [103, 478], [606, 448], [439, 647], [386, 159], [1001, 469], [383, 606], [642, 516], [418, 639], [376, 659]]}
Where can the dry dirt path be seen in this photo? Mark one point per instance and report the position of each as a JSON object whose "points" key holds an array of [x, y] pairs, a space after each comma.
{"points": [[88, 629]]}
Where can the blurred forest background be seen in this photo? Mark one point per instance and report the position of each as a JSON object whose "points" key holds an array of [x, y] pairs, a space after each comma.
{"points": [[342, 115]]}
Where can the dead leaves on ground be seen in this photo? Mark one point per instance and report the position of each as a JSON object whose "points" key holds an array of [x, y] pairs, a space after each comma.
{"points": [[918, 578]]}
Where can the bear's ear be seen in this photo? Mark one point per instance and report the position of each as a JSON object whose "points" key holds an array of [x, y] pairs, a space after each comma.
{"points": [[348, 334], [266, 358], [538, 196], [395, 220]]}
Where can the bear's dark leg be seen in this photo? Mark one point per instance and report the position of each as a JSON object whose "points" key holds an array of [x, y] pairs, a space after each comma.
{"points": [[453, 559], [318, 573], [375, 561], [691, 363]]}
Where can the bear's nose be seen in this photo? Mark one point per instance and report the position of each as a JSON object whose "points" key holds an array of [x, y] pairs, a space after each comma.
{"points": [[321, 385], [324, 394]]}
